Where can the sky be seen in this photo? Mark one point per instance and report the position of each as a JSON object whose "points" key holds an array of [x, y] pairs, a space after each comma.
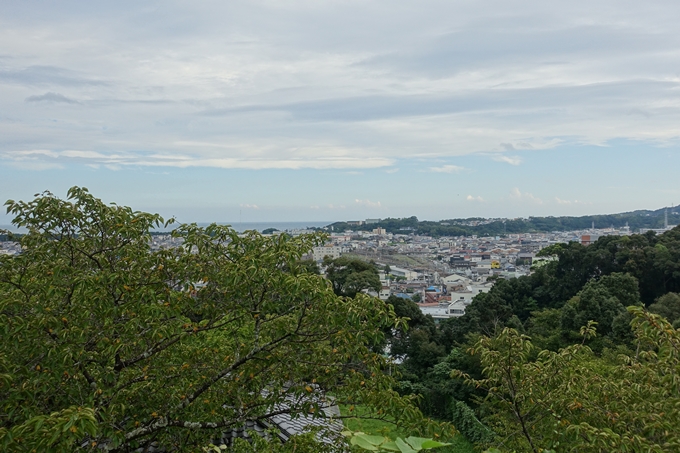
{"points": [[331, 110]]}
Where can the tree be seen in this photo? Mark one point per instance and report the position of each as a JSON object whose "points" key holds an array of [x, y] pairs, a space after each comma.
{"points": [[603, 301], [350, 276], [668, 306], [106, 342], [575, 400]]}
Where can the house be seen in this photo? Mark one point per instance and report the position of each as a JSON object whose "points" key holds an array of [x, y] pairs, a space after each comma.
{"points": [[330, 250], [406, 273], [287, 425], [455, 279], [588, 239]]}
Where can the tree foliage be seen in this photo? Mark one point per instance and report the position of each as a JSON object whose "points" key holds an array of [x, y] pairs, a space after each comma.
{"points": [[494, 227], [350, 276], [668, 306], [573, 400], [105, 342]]}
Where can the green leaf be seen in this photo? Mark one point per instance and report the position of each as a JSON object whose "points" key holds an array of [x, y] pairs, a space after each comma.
{"points": [[428, 444], [403, 446], [390, 446], [363, 443], [375, 440]]}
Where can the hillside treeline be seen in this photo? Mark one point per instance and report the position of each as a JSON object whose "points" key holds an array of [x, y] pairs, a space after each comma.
{"points": [[463, 227]]}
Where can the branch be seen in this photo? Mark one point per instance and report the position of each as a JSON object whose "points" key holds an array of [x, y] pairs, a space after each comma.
{"points": [[163, 422]]}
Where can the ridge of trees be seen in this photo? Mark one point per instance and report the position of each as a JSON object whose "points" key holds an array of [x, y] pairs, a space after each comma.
{"points": [[453, 227]]}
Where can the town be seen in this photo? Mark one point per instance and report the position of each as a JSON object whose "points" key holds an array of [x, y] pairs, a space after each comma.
{"points": [[443, 274]]}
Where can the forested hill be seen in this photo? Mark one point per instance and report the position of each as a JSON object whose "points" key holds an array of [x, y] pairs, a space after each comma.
{"points": [[492, 227]]}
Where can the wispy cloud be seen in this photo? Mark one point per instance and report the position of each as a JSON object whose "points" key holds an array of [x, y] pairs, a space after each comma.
{"points": [[290, 86], [250, 206], [477, 198], [368, 203], [447, 169], [512, 160], [46, 75], [51, 97], [194, 159], [518, 195], [571, 202]]}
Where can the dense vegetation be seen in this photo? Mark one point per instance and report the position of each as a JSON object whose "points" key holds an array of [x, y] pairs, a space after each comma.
{"points": [[462, 227], [105, 343], [588, 363]]}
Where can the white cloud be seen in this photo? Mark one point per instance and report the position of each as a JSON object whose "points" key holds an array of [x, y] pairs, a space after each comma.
{"points": [[93, 158], [447, 169], [392, 170], [348, 86], [518, 195], [293, 86], [512, 160], [477, 198], [570, 202], [368, 203], [250, 206]]}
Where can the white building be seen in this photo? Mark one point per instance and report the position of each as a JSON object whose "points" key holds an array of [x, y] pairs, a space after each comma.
{"points": [[332, 251], [446, 310], [407, 273]]}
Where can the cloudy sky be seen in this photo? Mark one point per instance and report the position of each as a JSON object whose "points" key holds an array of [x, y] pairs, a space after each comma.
{"points": [[329, 110]]}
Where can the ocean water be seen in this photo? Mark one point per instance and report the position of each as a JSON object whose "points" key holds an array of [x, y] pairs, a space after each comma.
{"points": [[238, 226], [281, 226]]}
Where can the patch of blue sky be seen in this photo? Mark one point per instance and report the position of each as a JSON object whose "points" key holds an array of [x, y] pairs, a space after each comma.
{"points": [[570, 179]]}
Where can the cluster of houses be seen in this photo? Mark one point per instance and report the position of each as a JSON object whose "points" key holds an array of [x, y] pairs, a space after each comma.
{"points": [[450, 272], [9, 248], [457, 268]]}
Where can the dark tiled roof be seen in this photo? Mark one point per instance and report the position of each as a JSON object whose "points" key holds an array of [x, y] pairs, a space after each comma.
{"points": [[288, 425]]}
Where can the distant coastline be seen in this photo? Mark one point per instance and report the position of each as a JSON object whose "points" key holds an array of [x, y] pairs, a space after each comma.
{"points": [[260, 226], [238, 226]]}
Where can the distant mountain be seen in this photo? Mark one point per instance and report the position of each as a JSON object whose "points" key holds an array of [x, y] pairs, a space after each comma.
{"points": [[498, 226]]}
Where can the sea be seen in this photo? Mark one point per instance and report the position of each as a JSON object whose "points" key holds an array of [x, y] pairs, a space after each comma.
{"points": [[281, 226], [238, 226]]}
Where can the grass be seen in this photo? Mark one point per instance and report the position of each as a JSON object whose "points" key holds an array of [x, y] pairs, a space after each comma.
{"points": [[459, 444]]}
